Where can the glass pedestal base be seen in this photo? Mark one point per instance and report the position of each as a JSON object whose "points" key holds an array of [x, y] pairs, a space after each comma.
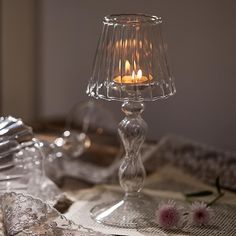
{"points": [[131, 212]]}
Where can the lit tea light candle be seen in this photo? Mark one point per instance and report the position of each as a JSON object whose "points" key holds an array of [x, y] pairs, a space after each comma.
{"points": [[134, 78]]}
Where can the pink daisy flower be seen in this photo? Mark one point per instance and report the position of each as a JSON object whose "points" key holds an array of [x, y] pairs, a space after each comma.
{"points": [[169, 215], [200, 214]]}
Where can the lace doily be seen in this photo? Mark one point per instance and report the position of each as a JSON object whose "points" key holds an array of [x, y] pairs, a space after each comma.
{"points": [[23, 215]]}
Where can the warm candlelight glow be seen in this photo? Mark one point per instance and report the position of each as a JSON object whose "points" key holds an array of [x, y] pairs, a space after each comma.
{"points": [[139, 74], [127, 67], [131, 78]]}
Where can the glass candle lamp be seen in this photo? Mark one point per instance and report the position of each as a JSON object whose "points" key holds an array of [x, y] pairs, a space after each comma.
{"points": [[130, 66]]}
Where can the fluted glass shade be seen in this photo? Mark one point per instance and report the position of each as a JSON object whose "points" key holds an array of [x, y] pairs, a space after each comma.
{"points": [[130, 62]]}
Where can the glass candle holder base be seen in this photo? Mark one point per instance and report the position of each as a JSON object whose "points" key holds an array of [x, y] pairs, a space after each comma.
{"points": [[130, 212]]}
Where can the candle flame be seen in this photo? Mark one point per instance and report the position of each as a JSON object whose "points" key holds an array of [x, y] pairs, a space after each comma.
{"points": [[133, 75], [139, 74], [127, 66]]}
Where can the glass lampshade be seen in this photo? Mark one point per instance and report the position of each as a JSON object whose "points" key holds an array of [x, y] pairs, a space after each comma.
{"points": [[130, 63]]}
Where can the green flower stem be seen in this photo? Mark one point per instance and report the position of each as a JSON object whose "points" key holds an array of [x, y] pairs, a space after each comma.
{"points": [[221, 194]]}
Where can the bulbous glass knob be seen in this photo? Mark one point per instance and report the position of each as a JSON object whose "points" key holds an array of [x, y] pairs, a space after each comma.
{"points": [[132, 130]]}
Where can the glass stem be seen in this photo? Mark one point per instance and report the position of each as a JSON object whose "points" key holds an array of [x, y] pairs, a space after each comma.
{"points": [[132, 130]]}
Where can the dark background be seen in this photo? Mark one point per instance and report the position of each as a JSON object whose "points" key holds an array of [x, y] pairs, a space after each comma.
{"points": [[48, 48]]}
